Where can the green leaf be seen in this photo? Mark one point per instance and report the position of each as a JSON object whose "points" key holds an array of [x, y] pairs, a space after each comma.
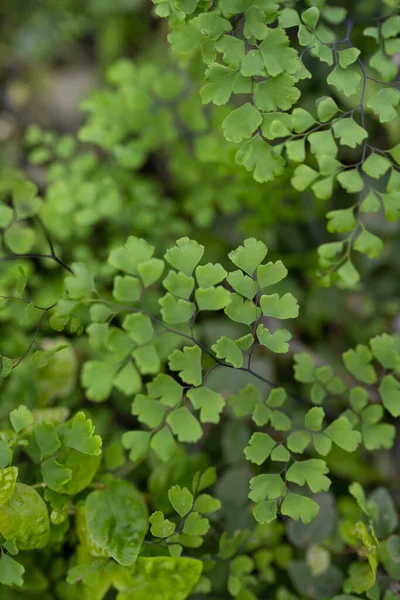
{"points": [[284, 307], [184, 425], [97, 377], [311, 472], [349, 132], [248, 256], [348, 56], [139, 327], [181, 500], [185, 39], [175, 310], [265, 512], [219, 86], [289, 17], [303, 177], [212, 298], [278, 56], [314, 418], [8, 479], [342, 434], [271, 273], [81, 284], [81, 435], [47, 439], [277, 341], [357, 362], [160, 577], [206, 504], [149, 411], [166, 388], [298, 441], [188, 363], [226, 348], [196, 525], [376, 165], [280, 454], [384, 349], [384, 104], [137, 442], [208, 402], [260, 447], [20, 418], [241, 123], [127, 289], [258, 156], [24, 518], [161, 527], [351, 181], [117, 520], [209, 275], [179, 284], [389, 390], [345, 80], [254, 24], [341, 220], [233, 50], [243, 284], [55, 475], [276, 93], [368, 244], [150, 271], [302, 120], [241, 310], [11, 571], [185, 256], [264, 486], [326, 109], [311, 16], [244, 403], [299, 507], [362, 577]]}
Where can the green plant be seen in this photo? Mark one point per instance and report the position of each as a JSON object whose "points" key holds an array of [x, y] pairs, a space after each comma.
{"points": [[136, 331]]}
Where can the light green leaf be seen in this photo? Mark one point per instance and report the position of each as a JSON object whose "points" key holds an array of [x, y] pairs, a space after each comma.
{"points": [[342, 434], [161, 527], [351, 181], [20, 418], [276, 93], [314, 417], [179, 284], [299, 507], [8, 479], [208, 402], [181, 500], [209, 275], [127, 288], [11, 571], [326, 109], [284, 307], [376, 165], [98, 377], [249, 256], [303, 177], [24, 518], [117, 520], [311, 472], [188, 363], [278, 56], [241, 123], [271, 273], [349, 132], [258, 156], [185, 256], [226, 348], [311, 16], [184, 425], [341, 220], [357, 362], [368, 244], [389, 390], [81, 435], [260, 447], [137, 442], [264, 486], [127, 258], [345, 80], [384, 104], [298, 441], [348, 56], [277, 341], [265, 512], [212, 298], [175, 310], [241, 310], [150, 271], [243, 284]]}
